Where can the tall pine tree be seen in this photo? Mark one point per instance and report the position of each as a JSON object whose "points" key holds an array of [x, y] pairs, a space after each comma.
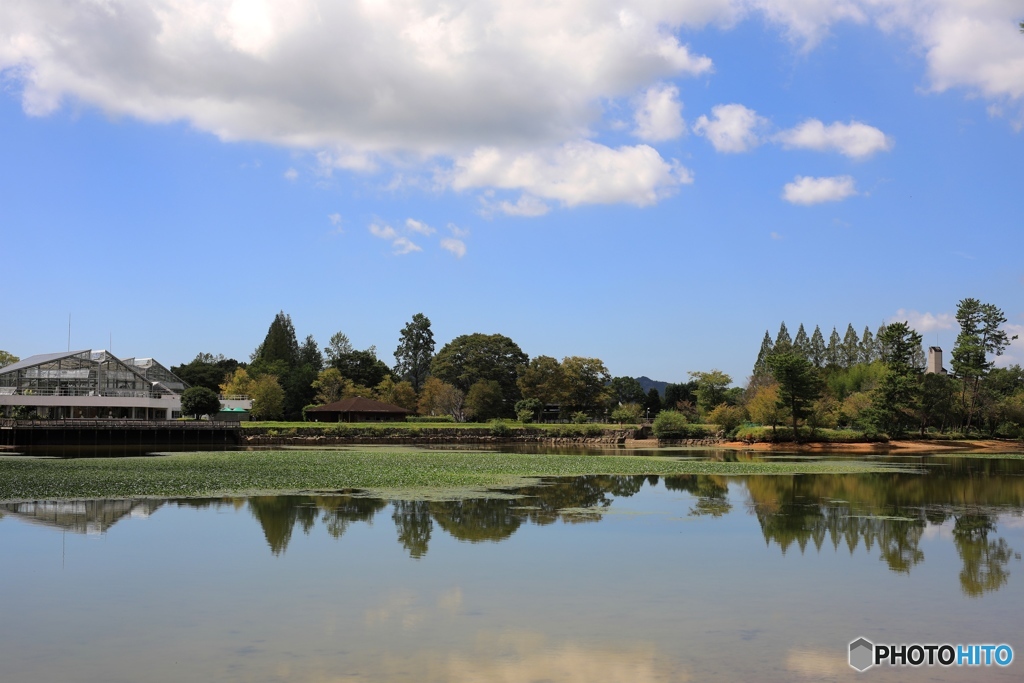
{"points": [[898, 393], [834, 353], [867, 346], [880, 348], [783, 342], [851, 347], [280, 344], [801, 345], [760, 365], [817, 356]]}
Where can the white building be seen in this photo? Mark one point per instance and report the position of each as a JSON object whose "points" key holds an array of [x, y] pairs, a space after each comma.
{"points": [[90, 384]]}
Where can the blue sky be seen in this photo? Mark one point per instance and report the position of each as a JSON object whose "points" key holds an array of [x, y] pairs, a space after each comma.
{"points": [[653, 184]]}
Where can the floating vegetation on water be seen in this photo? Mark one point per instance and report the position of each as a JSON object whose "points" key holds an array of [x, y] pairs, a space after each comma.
{"points": [[414, 473]]}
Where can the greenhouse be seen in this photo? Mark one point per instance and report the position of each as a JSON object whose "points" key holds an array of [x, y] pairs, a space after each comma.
{"points": [[89, 385]]}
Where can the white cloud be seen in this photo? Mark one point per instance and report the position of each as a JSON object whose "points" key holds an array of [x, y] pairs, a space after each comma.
{"points": [[526, 206], [457, 231], [383, 231], [976, 45], [291, 174], [805, 190], [403, 245], [1014, 353], [776, 236], [925, 322], [415, 83], [334, 218], [855, 140], [733, 128], [411, 76], [575, 173], [417, 226], [809, 21], [457, 247], [658, 114]]}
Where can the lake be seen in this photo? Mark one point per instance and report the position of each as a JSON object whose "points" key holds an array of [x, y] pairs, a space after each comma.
{"points": [[628, 578]]}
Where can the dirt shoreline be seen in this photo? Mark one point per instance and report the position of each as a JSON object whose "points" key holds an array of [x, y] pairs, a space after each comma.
{"points": [[908, 446]]}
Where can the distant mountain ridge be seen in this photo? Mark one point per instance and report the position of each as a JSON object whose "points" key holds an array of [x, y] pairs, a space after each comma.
{"points": [[647, 383]]}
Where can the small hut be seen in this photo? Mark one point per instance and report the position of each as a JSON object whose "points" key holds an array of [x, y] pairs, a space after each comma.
{"points": [[357, 409]]}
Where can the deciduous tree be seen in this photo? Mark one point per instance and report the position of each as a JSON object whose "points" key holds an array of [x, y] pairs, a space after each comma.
{"points": [[764, 406], [543, 379], [237, 383], [415, 351], [623, 390], [711, 386], [585, 380], [399, 394], [337, 347], [267, 398], [7, 358], [206, 370], [484, 400], [727, 417], [330, 386], [196, 401], [467, 359]]}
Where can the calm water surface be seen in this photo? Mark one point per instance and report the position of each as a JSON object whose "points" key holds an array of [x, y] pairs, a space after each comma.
{"points": [[584, 579]]}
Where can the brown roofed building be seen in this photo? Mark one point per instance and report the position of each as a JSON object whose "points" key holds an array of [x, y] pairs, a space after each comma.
{"points": [[357, 410]]}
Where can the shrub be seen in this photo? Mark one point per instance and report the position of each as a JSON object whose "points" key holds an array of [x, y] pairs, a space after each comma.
{"points": [[631, 412], [430, 418], [580, 418], [669, 424], [532, 405], [752, 434], [727, 417], [593, 430], [500, 428], [525, 416]]}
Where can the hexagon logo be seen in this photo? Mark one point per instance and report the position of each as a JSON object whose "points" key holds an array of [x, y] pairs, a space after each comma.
{"points": [[862, 654]]}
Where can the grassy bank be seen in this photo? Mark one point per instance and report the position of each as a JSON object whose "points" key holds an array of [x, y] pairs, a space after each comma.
{"points": [[409, 471], [418, 426]]}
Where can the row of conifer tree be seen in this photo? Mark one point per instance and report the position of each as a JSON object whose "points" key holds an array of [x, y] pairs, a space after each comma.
{"points": [[840, 352]]}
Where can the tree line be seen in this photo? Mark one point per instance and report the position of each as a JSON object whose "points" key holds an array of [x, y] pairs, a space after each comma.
{"points": [[473, 377], [876, 382]]}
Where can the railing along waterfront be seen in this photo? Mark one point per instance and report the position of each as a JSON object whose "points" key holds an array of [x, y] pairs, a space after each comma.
{"points": [[114, 423]]}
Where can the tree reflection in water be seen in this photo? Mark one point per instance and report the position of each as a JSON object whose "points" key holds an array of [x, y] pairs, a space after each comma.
{"points": [[886, 513], [984, 560]]}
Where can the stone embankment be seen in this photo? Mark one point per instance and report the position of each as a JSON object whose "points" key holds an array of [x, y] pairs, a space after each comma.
{"points": [[569, 436]]}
